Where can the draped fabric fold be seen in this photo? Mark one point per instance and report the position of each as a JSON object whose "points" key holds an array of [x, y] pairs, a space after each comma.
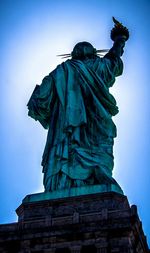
{"points": [[74, 104]]}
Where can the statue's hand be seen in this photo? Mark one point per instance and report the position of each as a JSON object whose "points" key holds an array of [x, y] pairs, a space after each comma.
{"points": [[119, 31]]}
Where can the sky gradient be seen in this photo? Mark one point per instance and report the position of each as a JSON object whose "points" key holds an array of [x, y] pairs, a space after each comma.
{"points": [[33, 32]]}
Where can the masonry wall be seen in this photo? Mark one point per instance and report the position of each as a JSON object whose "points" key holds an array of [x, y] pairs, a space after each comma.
{"points": [[95, 223]]}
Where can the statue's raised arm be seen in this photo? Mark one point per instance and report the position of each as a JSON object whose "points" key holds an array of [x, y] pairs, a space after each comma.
{"points": [[119, 34]]}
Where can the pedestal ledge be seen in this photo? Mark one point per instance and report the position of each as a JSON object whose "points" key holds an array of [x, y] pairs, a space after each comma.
{"points": [[41, 206], [72, 192]]}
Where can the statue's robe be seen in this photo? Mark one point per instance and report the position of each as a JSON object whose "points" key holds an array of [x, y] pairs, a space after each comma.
{"points": [[74, 104]]}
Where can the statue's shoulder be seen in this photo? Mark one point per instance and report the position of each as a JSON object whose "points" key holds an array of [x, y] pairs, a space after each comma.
{"points": [[60, 70]]}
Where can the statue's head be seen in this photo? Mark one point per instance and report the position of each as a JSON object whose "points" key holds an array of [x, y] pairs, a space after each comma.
{"points": [[83, 50]]}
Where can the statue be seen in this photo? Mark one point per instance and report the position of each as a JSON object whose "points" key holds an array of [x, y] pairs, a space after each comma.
{"points": [[74, 104]]}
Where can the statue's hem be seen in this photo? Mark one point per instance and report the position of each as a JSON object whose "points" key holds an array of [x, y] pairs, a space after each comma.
{"points": [[72, 192]]}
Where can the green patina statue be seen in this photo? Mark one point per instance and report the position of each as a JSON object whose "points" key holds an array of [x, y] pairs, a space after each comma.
{"points": [[74, 104]]}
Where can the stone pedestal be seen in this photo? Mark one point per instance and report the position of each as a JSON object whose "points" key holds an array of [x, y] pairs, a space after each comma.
{"points": [[93, 223]]}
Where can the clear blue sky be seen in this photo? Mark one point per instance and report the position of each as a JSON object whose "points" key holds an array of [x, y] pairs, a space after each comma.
{"points": [[33, 32]]}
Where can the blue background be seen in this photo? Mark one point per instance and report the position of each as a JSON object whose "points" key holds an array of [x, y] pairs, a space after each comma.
{"points": [[33, 32]]}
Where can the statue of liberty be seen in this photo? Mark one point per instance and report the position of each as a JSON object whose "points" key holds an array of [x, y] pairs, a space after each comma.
{"points": [[74, 104]]}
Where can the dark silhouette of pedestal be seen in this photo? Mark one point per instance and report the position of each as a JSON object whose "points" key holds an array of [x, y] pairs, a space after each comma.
{"points": [[101, 222]]}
